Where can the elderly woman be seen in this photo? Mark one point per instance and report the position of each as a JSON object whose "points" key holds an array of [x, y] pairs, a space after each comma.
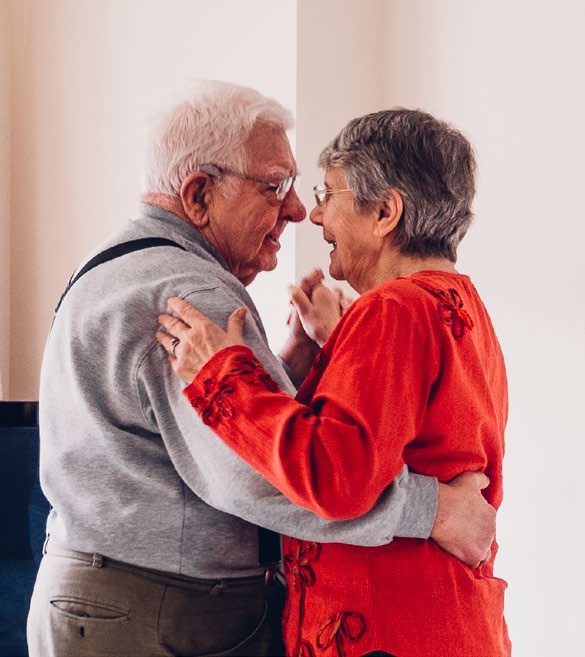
{"points": [[412, 373]]}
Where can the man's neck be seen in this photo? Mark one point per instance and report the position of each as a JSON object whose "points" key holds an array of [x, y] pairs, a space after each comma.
{"points": [[166, 202], [173, 204]]}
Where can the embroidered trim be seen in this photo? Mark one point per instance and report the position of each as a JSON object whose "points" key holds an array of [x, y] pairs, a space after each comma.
{"points": [[450, 309], [213, 405], [305, 650], [297, 566], [344, 625], [252, 372]]}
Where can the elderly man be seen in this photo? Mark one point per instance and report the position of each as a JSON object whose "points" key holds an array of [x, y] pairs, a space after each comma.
{"points": [[155, 542]]}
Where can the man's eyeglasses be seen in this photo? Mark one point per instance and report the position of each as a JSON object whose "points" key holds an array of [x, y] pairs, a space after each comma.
{"points": [[280, 189], [321, 193]]}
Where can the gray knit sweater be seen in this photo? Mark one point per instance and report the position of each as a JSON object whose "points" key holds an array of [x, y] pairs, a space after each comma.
{"points": [[129, 468]]}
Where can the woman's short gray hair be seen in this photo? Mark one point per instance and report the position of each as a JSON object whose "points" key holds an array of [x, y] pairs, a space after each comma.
{"points": [[209, 127], [429, 162]]}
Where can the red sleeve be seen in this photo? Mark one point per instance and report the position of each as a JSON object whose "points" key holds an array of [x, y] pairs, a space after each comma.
{"points": [[336, 455]]}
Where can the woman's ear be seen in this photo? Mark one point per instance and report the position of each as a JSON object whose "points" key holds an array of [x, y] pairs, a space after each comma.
{"points": [[194, 189], [389, 213]]}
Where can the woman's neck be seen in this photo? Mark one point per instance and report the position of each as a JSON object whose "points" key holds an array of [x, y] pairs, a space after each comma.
{"points": [[400, 265]]}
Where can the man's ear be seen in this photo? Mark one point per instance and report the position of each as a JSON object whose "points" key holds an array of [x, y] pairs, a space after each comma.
{"points": [[389, 213], [194, 190]]}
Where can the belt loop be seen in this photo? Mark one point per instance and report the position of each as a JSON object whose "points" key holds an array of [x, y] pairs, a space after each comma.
{"points": [[218, 588], [269, 575], [97, 561]]}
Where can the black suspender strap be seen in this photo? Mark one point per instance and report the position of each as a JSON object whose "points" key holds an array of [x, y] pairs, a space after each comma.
{"points": [[268, 541], [268, 547], [115, 252]]}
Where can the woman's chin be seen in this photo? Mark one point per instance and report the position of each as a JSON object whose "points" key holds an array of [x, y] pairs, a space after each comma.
{"points": [[335, 273], [334, 268]]}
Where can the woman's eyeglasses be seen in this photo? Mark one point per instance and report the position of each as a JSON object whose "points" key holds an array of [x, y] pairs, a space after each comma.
{"points": [[321, 193]]}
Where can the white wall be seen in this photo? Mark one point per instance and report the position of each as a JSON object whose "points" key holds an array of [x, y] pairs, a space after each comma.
{"points": [[510, 74], [340, 76], [90, 75]]}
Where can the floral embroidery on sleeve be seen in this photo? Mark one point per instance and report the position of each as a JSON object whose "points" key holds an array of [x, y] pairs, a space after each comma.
{"points": [[252, 372], [451, 309], [213, 405]]}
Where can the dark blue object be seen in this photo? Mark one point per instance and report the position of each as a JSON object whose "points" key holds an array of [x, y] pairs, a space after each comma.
{"points": [[23, 516]]}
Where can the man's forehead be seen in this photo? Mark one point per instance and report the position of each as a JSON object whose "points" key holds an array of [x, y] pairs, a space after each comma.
{"points": [[268, 147]]}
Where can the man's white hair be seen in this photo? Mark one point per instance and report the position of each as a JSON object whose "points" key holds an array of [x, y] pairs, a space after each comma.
{"points": [[211, 126]]}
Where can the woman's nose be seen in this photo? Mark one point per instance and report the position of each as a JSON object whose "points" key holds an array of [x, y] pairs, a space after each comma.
{"points": [[316, 215]]}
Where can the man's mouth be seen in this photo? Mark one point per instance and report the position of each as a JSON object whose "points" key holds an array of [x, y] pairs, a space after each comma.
{"points": [[273, 238]]}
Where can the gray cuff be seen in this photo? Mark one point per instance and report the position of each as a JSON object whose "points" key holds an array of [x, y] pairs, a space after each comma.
{"points": [[420, 509], [295, 378]]}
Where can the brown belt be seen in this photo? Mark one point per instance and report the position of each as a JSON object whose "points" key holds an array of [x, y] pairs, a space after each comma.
{"points": [[210, 586]]}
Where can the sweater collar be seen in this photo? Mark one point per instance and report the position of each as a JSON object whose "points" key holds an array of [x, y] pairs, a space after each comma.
{"points": [[179, 226]]}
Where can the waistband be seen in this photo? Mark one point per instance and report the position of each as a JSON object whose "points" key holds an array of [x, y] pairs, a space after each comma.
{"points": [[210, 586]]}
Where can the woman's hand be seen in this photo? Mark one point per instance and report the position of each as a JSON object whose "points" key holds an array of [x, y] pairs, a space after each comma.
{"points": [[299, 350], [319, 309], [307, 284], [191, 339]]}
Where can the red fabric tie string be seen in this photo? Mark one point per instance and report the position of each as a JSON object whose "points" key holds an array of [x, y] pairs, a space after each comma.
{"points": [[341, 626]]}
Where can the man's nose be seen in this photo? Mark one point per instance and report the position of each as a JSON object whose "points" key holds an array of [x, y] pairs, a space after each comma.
{"points": [[292, 209], [316, 215]]}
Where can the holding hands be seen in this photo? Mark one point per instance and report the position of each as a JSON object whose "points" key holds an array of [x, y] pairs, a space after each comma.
{"points": [[315, 310], [317, 307]]}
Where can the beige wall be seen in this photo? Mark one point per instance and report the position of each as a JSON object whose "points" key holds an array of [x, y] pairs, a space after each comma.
{"points": [[5, 62], [89, 76], [510, 74]]}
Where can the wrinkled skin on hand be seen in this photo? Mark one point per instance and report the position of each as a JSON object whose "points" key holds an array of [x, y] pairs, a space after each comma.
{"points": [[465, 525], [317, 306], [199, 338], [316, 311], [309, 319]]}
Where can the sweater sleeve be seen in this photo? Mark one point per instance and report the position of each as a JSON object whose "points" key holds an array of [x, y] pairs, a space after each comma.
{"points": [[225, 482], [336, 453]]}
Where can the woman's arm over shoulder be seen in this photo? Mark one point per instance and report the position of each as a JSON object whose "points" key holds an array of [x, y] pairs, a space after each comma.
{"points": [[336, 454]]}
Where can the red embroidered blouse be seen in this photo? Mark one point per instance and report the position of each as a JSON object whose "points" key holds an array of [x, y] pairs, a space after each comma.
{"points": [[413, 373]]}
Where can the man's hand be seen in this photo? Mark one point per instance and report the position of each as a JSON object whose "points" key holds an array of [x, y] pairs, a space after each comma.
{"points": [[466, 524]]}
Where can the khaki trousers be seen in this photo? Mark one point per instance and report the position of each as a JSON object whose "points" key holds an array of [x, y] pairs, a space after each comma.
{"points": [[86, 605]]}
